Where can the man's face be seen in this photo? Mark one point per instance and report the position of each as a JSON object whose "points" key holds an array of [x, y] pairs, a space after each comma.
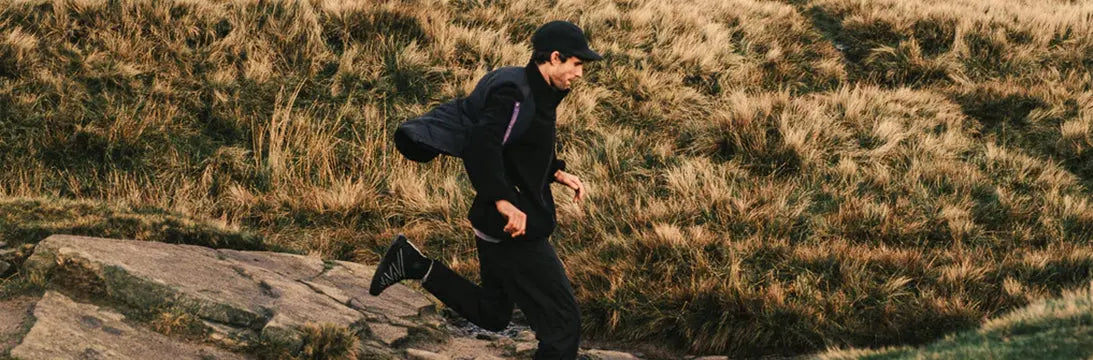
{"points": [[563, 73]]}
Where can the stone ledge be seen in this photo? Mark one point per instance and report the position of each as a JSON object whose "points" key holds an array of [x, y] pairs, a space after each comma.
{"points": [[65, 328]]}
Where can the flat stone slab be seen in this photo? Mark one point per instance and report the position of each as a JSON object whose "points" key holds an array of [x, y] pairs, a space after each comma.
{"points": [[66, 329], [610, 355], [14, 314], [349, 283], [417, 354], [233, 292], [258, 291], [388, 334]]}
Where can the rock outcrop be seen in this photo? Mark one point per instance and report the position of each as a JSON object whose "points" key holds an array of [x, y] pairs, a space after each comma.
{"points": [[15, 314], [65, 329], [124, 299], [244, 301]]}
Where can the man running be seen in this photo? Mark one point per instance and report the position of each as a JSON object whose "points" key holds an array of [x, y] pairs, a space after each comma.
{"points": [[513, 211]]}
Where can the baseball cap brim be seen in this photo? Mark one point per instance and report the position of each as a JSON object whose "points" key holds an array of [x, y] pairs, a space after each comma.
{"points": [[588, 55]]}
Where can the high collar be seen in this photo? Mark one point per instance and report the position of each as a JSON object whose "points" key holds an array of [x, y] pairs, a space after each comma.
{"points": [[544, 93]]}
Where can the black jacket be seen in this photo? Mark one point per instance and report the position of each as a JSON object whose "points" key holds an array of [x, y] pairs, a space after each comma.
{"points": [[520, 171]]}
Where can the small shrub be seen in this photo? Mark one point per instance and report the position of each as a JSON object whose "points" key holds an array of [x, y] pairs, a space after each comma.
{"points": [[328, 341]]}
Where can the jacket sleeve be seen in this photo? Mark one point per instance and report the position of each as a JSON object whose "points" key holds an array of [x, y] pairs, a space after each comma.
{"points": [[482, 157], [556, 165]]}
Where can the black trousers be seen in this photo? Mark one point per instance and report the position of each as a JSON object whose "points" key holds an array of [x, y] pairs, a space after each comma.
{"points": [[527, 273]]}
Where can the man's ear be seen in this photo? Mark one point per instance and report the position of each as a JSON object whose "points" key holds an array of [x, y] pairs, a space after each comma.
{"points": [[555, 58]]}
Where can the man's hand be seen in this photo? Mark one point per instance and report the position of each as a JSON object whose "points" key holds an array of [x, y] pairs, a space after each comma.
{"points": [[572, 182], [517, 225]]}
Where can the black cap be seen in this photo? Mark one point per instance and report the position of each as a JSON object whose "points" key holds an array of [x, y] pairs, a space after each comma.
{"points": [[564, 37]]}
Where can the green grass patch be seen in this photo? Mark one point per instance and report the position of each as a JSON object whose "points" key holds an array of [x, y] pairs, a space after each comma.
{"points": [[1058, 328]]}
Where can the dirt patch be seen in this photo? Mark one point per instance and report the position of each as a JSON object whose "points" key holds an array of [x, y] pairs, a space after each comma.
{"points": [[14, 315]]}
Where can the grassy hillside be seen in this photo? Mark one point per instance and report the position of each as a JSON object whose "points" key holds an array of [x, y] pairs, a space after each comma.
{"points": [[1018, 68], [787, 176], [1059, 328]]}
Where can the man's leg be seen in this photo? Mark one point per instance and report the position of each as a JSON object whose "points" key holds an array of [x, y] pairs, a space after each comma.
{"points": [[527, 272], [537, 282], [486, 306]]}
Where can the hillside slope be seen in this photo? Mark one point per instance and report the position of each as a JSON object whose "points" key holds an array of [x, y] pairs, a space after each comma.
{"points": [[1059, 328], [788, 176]]}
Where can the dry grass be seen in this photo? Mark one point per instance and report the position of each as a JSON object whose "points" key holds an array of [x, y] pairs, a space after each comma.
{"points": [[1019, 68], [328, 341], [779, 195], [178, 322]]}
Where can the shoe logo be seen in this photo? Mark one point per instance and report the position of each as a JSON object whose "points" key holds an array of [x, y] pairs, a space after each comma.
{"points": [[395, 273]]}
